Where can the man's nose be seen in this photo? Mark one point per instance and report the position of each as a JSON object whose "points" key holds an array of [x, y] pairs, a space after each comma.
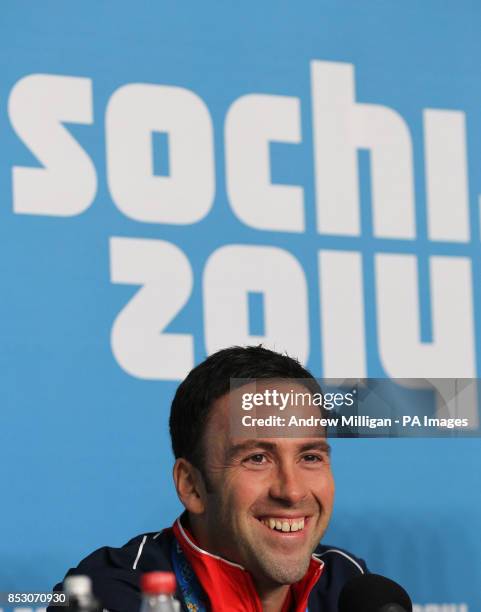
{"points": [[288, 485]]}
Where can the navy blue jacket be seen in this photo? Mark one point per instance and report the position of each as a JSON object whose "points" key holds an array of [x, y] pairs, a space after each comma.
{"points": [[117, 584]]}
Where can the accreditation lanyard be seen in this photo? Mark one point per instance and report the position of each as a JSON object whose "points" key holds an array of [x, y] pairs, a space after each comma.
{"points": [[192, 593]]}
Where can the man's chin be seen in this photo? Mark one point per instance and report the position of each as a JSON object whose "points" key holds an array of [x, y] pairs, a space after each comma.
{"points": [[282, 558], [281, 572], [278, 565]]}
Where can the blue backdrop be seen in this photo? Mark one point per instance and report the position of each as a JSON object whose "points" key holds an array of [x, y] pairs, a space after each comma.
{"points": [[179, 177]]}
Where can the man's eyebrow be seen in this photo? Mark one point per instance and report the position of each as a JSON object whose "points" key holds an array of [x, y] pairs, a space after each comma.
{"points": [[321, 445], [242, 447]]}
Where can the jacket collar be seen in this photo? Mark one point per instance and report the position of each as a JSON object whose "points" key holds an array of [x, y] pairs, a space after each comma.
{"points": [[229, 586]]}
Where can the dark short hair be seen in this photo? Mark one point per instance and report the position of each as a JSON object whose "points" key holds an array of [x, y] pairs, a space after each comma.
{"points": [[210, 380]]}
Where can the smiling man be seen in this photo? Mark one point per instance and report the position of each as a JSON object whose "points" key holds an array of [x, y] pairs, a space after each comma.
{"points": [[257, 499]]}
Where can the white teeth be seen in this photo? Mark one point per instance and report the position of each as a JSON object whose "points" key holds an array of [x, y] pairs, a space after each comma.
{"points": [[283, 524]]}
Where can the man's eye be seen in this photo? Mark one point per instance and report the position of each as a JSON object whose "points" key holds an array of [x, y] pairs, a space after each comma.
{"points": [[258, 459], [313, 458]]}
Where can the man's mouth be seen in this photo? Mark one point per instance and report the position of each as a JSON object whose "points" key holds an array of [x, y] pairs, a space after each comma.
{"points": [[284, 524]]}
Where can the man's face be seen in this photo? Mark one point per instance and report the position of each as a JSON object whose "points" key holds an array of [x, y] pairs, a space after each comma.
{"points": [[269, 500]]}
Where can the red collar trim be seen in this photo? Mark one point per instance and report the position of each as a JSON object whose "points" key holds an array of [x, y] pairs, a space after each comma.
{"points": [[229, 586], [190, 541]]}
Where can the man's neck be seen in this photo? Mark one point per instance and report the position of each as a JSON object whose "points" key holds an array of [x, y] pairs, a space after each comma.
{"points": [[273, 599]]}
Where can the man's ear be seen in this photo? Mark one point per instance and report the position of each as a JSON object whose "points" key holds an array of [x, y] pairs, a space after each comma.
{"points": [[190, 486]]}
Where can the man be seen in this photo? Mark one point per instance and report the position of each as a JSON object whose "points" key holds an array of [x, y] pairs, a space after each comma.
{"points": [[258, 500]]}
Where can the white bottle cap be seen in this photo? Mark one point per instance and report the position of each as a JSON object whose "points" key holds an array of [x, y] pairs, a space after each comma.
{"points": [[77, 585]]}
